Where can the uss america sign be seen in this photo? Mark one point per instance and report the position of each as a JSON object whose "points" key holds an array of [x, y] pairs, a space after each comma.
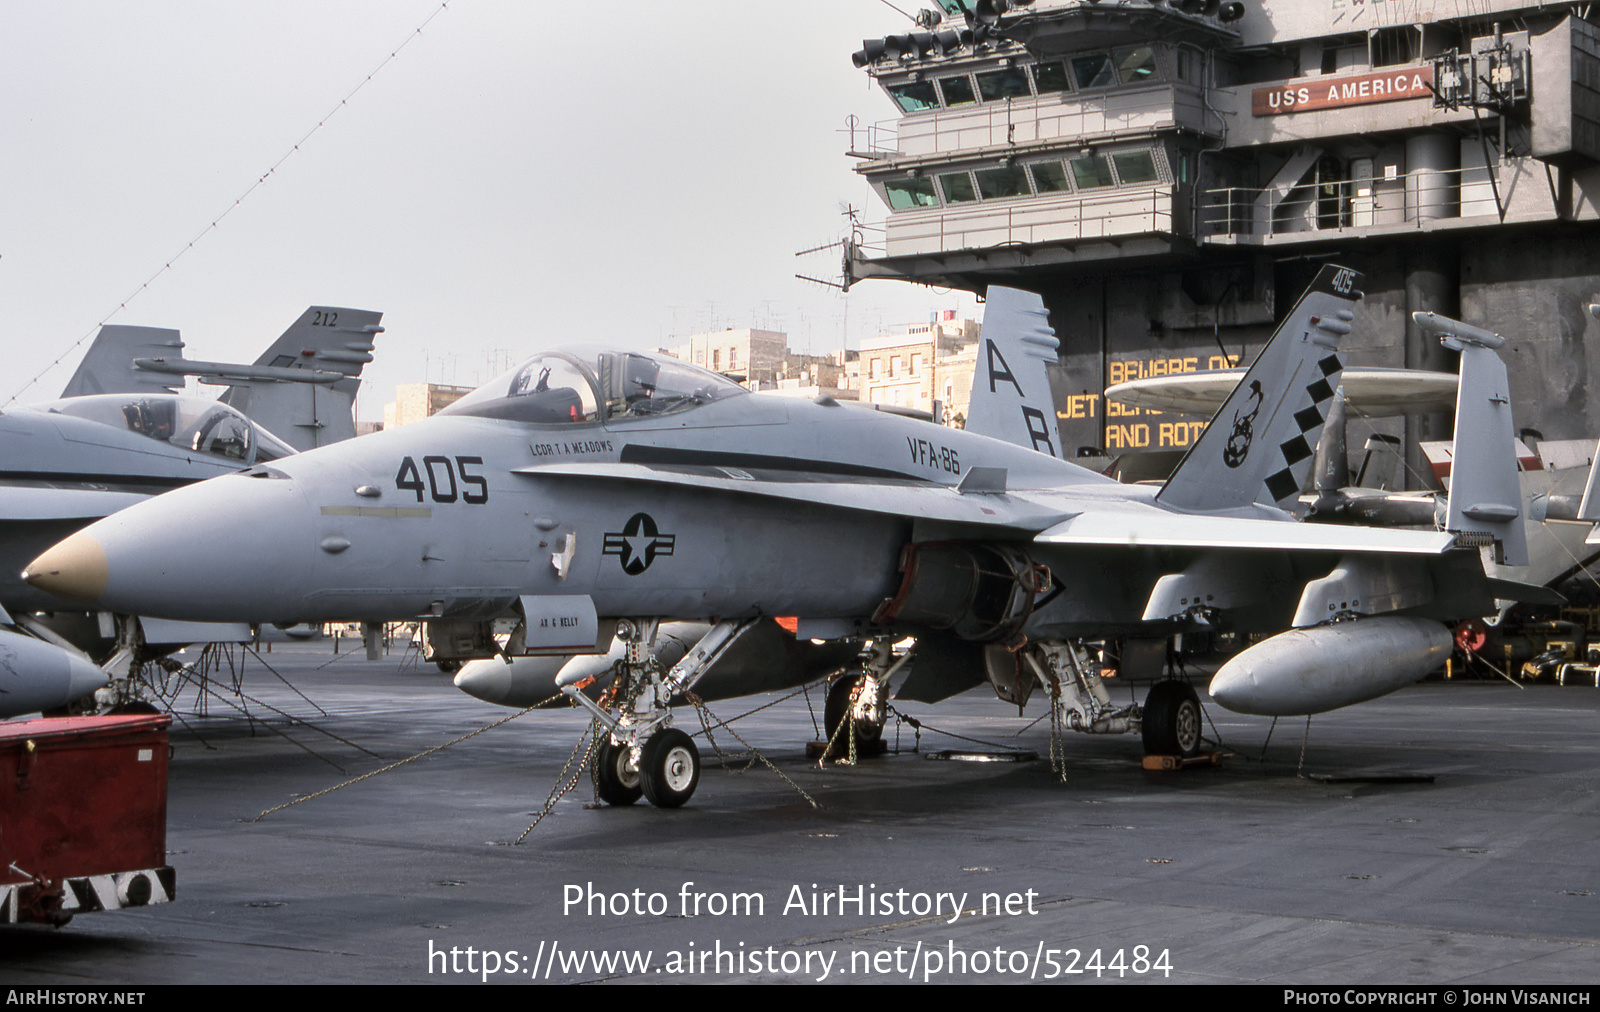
{"points": [[1332, 92]]}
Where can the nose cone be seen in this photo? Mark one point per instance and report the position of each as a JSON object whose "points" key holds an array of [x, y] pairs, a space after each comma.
{"points": [[232, 549], [75, 569]]}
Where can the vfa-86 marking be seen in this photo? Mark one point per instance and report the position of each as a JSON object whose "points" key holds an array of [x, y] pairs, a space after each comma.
{"points": [[761, 506]]}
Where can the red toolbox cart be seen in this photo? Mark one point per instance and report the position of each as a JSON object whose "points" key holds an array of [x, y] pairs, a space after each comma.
{"points": [[83, 816]]}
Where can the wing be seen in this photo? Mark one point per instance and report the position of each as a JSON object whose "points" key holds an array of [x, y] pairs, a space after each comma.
{"points": [[43, 501], [976, 501], [1167, 530], [1368, 390], [1052, 518]]}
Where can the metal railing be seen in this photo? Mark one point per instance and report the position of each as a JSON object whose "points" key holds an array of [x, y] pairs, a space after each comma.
{"points": [[1112, 215], [1403, 200]]}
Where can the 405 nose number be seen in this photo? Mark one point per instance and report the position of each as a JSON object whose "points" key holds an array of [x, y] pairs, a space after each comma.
{"points": [[447, 479]]}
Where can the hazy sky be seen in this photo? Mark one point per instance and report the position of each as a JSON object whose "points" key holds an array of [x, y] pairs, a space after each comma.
{"points": [[522, 174]]}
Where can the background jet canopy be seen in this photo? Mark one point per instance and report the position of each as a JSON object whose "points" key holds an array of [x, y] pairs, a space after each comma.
{"points": [[584, 385], [192, 423]]}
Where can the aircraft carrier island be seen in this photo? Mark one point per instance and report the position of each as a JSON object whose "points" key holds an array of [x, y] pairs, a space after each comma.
{"points": [[1170, 175]]}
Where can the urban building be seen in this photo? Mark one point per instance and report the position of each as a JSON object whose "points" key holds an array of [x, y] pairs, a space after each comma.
{"points": [[917, 365], [754, 356], [415, 401]]}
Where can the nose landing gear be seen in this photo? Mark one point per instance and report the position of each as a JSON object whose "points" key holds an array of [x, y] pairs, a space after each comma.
{"points": [[641, 754]]}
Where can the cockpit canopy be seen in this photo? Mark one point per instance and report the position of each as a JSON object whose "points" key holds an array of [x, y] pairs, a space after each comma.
{"points": [[197, 424], [575, 386]]}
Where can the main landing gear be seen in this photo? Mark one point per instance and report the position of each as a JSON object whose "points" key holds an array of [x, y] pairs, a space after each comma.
{"points": [[857, 705], [640, 753], [1169, 722]]}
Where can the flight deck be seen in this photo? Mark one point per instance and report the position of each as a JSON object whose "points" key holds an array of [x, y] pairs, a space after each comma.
{"points": [[1440, 835]]}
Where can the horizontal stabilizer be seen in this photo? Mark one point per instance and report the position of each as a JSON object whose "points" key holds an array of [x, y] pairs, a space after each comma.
{"points": [[107, 367], [1370, 391], [1524, 593], [325, 341]]}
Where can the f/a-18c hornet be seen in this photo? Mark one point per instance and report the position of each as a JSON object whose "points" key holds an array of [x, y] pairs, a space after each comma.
{"points": [[598, 494], [121, 433]]}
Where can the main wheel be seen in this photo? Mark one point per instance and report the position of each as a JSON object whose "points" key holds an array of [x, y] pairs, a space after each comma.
{"points": [[669, 768], [1172, 719], [616, 778], [836, 710]]}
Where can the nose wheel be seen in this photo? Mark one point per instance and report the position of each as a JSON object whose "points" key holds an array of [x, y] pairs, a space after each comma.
{"points": [[616, 775], [669, 768]]}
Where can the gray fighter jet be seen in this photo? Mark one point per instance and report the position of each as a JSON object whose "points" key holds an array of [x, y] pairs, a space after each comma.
{"points": [[121, 432], [595, 493]]}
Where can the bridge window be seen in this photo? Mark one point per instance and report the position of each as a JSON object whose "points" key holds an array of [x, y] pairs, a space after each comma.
{"points": [[1008, 82], [1135, 167], [1091, 171], [1007, 181], [957, 91], [1188, 61], [917, 96], [1094, 71], [910, 192], [957, 188], [1049, 177], [1136, 65], [1051, 77]]}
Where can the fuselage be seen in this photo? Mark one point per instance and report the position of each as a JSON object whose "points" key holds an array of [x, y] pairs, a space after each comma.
{"points": [[452, 516], [647, 487]]}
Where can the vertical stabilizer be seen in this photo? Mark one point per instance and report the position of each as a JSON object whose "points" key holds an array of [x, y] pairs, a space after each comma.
{"points": [[324, 339], [107, 367], [1485, 495], [1258, 448], [1010, 388]]}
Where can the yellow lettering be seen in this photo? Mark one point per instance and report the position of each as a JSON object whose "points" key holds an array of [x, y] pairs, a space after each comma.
{"points": [[1079, 406]]}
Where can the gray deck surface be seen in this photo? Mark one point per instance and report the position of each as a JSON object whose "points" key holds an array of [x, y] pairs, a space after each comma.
{"points": [[1244, 873]]}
